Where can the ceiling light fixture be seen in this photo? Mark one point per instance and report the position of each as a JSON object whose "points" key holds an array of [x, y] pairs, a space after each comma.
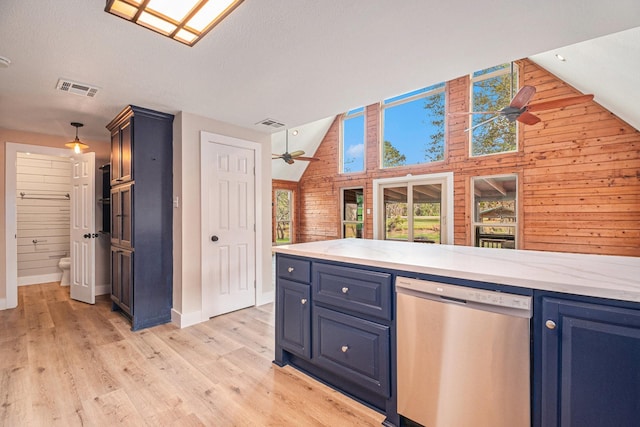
{"points": [[186, 21], [4, 62], [560, 57], [76, 144]]}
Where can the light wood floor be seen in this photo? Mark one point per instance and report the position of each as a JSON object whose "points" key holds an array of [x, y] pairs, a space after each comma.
{"points": [[65, 363]]}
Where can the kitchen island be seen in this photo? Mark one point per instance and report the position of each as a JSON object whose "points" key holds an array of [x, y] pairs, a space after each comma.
{"points": [[333, 292]]}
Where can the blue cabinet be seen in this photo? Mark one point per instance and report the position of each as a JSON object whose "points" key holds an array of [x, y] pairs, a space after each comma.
{"points": [[590, 365], [336, 323]]}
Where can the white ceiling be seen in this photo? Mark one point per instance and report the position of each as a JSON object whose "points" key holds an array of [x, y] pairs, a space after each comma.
{"points": [[292, 61]]}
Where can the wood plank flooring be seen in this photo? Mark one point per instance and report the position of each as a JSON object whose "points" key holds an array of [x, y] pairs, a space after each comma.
{"points": [[65, 363]]}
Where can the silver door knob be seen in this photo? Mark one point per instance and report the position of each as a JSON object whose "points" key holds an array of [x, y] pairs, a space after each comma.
{"points": [[290, 269], [344, 348], [345, 290], [550, 324], [303, 301]]}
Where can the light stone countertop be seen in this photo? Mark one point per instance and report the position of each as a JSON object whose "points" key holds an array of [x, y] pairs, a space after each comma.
{"points": [[614, 277]]}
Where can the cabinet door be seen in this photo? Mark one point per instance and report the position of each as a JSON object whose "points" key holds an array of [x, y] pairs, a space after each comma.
{"points": [[116, 207], [590, 365], [126, 215], [115, 157], [126, 152], [122, 279], [353, 348], [294, 320]]}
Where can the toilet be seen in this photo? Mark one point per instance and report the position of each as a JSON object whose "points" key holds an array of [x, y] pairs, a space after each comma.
{"points": [[65, 266]]}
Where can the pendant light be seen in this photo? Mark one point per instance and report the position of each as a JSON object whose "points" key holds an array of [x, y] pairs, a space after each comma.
{"points": [[76, 144]]}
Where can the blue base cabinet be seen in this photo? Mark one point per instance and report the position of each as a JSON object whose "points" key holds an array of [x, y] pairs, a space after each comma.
{"points": [[336, 323], [590, 365]]}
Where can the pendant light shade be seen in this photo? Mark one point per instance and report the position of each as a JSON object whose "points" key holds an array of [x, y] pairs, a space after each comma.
{"points": [[76, 144]]}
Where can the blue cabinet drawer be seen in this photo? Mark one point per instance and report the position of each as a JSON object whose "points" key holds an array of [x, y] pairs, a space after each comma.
{"points": [[352, 348], [353, 289], [293, 268]]}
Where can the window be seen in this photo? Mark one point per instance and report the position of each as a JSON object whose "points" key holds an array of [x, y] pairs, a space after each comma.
{"points": [[492, 90], [413, 126], [352, 141], [352, 212], [495, 216], [284, 224], [416, 209]]}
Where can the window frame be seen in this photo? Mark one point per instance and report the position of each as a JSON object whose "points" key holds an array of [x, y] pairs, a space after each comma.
{"points": [[514, 71], [445, 179], [404, 99], [352, 114], [516, 203], [291, 213], [343, 221]]}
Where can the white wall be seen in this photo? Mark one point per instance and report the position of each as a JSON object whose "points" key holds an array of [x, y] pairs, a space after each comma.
{"points": [[43, 185], [187, 284]]}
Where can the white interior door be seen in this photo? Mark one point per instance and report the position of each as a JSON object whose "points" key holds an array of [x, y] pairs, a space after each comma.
{"points": [[83, 230], [228, 226]]}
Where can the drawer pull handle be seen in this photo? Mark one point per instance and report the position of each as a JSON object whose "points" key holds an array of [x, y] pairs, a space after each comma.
{"points": [[344, 348], [290, 269], [303, 301], [345, 290], [550, 324]]}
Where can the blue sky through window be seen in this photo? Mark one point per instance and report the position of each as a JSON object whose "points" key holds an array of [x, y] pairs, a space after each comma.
{"points": [[353, 142]]}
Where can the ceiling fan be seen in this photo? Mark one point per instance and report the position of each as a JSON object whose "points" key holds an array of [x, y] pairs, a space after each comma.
{"points": [[290, 157], [520, 110]]}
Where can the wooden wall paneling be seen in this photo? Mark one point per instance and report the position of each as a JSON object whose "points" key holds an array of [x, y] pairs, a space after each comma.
{"points": [[578, 174]]}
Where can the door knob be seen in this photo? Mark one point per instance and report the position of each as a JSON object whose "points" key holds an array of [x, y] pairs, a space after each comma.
{"points": [[214, 238], [87, 236]]}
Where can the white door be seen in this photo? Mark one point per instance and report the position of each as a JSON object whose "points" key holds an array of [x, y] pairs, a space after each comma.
{"points": [[83, 230], [228, 227]]}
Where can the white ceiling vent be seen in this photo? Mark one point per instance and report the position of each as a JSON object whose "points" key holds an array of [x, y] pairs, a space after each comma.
{"points": [[271, 123], [76, 88]]}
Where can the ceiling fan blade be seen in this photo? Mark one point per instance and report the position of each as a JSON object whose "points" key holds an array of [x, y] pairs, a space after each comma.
{"points": [[482, 123], [309, 159], [276, 156], [297, 153], [522, 97], [559, 103], [528, 118]]}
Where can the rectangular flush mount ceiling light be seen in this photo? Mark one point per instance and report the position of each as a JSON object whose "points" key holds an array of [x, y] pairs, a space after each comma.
{"points": [[186, 21]]}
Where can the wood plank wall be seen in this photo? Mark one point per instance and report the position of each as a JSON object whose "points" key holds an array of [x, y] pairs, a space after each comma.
{"points": [[578, 172], [43, 214]]}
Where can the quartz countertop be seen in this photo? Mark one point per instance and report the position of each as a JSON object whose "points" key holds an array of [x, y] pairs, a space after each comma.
{"points": [[604, 276]]}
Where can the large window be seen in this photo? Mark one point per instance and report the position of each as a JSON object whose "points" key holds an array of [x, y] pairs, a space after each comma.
{"points": [[352, 212], [493, 90], [283, 212], [495, 211], [352, 141], [413, 127], [415, 209]]}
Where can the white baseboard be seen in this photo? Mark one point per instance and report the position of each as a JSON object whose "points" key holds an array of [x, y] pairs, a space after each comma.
{"points": [[42, 278], [183, 320], [103, 289], [265, 298]]}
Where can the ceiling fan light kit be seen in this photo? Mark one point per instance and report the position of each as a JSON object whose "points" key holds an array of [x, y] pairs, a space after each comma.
{"points": [[520, 110]]}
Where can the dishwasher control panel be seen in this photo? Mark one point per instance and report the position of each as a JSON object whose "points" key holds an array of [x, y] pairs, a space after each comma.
{"points": [[463, 294]]}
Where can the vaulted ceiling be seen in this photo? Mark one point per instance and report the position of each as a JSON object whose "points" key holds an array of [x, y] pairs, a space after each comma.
{"points": [[293, 61]]}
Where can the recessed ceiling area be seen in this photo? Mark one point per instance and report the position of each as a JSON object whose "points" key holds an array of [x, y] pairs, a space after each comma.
{"points": [[295, 62]]}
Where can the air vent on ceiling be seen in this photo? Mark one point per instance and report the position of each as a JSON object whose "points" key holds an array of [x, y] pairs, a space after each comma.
{"points": [[271, 123], [76, 88]]}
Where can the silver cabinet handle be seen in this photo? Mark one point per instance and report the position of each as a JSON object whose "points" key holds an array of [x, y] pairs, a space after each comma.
{"points": [[344, 348], [550, 324], [303, 301], [345, 290], [290, 269]]}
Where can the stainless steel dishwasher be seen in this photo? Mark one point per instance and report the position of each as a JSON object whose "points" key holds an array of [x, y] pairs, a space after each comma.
{"points": [[463, 355]]}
